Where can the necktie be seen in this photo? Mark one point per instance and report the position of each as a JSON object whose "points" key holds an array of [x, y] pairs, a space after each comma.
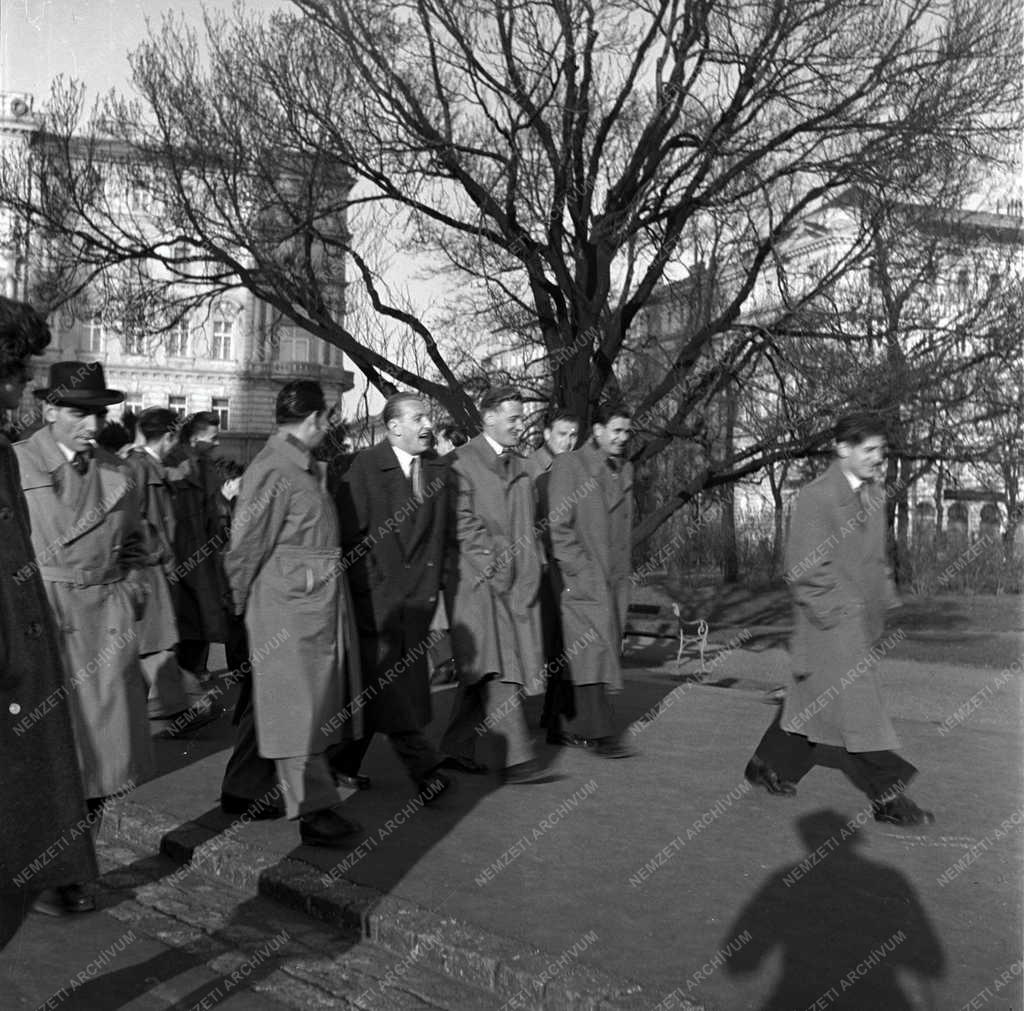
{"points": [[80, 462], [505, 461], [416, 473]]}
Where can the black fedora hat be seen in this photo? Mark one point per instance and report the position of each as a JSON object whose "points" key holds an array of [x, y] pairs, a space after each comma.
{"points": [[78, 384]]}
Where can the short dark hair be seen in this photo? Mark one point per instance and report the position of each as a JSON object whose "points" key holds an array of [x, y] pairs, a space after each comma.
{"points": [[604, 413], [112, 436], [299, 399], [194, 422], [23, 332], [496, 396], [557, 414], [154, 422], [393, 405], [858, 427], [455, 434]]}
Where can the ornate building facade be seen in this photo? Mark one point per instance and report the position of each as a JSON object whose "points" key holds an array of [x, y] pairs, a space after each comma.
{"points": [[231, 355]]}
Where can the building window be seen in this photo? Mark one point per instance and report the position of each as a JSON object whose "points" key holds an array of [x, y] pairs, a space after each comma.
{"points": [[177, 340], [134, 343], [220, 348], [133, 403], [95, 334], [292, 347], [179, 405], [138, 198], [219, 406]]}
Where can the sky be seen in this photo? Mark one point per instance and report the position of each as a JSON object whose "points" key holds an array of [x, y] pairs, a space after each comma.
{"points": [[90, 40], [86, 39]]}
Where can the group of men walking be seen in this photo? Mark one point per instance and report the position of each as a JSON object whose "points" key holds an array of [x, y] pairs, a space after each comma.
{"points": [[331, 603]]}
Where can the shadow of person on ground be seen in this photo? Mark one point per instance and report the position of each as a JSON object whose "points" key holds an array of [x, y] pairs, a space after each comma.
{"points": [[846, 927]]}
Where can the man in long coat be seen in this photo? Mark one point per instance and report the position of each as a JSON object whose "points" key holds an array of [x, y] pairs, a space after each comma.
{"points": [[590, 523], [41, 792], [492, 589], [561, 430], [393, 503], [839, 577], [199, 510], [285, 570], [84, 509], [158, 629]]}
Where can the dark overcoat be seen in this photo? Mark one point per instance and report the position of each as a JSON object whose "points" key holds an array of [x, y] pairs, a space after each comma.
{"points": [[493, 580], [44, 841], [285, 570], [589, 519], [89, 547], [198, 583], [158, 628], [394, 553], [839, 577]]}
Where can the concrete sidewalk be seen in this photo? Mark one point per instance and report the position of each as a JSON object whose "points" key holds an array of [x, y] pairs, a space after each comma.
{"points": [[664, 878]]}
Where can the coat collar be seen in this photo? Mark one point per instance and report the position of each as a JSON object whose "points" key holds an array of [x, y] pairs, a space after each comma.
{"points": [[292, 450], [843, 491]]}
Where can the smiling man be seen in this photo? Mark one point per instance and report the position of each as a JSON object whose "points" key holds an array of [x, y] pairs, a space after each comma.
{"points": [[393, 503], [492, 592], [590, 522], [839, 577]]}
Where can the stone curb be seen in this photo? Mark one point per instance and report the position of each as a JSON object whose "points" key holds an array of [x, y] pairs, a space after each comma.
{"points": [[521, 976]]}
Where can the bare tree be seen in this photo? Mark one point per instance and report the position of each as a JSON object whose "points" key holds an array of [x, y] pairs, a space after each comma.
{"points": [[559, 156]]}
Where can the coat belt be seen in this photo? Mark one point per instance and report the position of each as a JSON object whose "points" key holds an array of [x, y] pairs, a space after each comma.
{"points": [[81, 577]]}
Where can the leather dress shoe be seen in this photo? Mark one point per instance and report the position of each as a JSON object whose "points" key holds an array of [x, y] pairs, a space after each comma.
{"points": [[353, 782], [759, 774], [231, 804], [561, 740], [613, 747], [433, 786], [327, 828], [901, 810], [65, 900], [462, 764], [522, 772]]}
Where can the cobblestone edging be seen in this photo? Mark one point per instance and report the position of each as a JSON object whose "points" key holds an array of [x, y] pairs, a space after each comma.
{"points": [[514, 972]]}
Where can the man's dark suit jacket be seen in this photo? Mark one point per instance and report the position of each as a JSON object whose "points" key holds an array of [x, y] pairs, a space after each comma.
{"points": [[393, 550]]}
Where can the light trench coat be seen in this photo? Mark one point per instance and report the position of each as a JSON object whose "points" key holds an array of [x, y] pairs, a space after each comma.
{"points": [[158, 629], [285, 570], [492, 587], [839, 577], [89, 546]]}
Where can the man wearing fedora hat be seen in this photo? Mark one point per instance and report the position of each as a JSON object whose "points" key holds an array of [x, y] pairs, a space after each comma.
{"points": [[87, 536]]}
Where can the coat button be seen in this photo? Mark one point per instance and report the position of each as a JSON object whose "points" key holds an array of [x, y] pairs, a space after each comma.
{"points": [[14, 709], [34, 629], [6, 513]]}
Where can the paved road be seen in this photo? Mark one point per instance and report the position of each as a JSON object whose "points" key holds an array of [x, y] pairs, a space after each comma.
{"points": [[677, 875], [164, 939]]}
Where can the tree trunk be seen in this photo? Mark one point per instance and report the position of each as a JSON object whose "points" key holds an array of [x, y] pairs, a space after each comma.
{"points": [[730, 551]]}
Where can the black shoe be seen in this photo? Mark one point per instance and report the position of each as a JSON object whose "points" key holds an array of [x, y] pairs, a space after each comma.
{"points": [[901, 811], [356, 782], [433, 786], [613, 747], [327, 828], [462, 764], [257, 811], [66, 900], [561, 740], [759, 774], [522, 772]]}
